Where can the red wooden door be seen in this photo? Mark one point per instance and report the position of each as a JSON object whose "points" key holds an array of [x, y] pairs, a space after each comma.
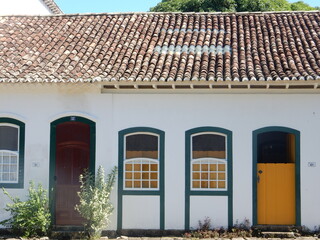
{"points": [[72, 157]]}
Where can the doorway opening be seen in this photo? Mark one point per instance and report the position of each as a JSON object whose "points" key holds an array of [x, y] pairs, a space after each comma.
{"points": [[72, 152], [276, 177]]}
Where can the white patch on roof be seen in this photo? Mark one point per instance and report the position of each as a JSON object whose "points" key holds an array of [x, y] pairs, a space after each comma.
{"points": [[195, 49], [189, 30]]}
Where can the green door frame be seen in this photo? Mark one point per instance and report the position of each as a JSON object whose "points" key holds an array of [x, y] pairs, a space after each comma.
{"points": [[52, 167], [254, 169]]}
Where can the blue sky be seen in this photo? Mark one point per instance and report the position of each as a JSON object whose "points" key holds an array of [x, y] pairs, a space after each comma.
{"points": [[99, 6]]}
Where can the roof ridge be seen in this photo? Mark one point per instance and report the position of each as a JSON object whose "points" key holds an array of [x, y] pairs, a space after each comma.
{"points": [[162, 13], [53, 7]]}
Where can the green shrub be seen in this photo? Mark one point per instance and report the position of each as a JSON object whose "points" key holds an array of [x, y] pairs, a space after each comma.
{"points": [[95, 205], [30, 218]]}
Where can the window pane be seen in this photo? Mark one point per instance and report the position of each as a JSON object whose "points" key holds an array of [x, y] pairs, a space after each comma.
{"points": [[128, 184], [5, 168], [145, 175], [13, 177], [221, 176], [145, 167], [213, 176], [128, 167], [142, 145], [204, 184], [14, 159], [8, 138], [196, 184], [137, 175], [137, 184], [221, 184], [6, 158], [208, 145], [196, 175], [145, 184], [196, 167], [13, 168], [213, 184], [5, 176], [128, 175], [154, 184], [154, 167], [221, 167]]}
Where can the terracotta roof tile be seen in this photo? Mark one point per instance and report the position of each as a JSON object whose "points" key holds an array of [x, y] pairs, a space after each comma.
{"points": [[161, 47]]}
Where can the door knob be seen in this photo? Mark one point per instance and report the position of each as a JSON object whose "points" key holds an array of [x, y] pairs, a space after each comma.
{"points": [[260, 171]]}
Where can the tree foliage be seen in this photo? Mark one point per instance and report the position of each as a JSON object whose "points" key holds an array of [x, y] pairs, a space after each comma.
{"points": [[300, 5], [229, 6], [262, 5]]}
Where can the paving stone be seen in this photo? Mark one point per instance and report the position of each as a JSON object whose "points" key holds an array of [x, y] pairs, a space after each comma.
{"points": [[239, 238], [134, 238]]}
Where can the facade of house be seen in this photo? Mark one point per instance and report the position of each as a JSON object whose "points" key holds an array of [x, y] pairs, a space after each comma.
{"points": [[206, 115]]}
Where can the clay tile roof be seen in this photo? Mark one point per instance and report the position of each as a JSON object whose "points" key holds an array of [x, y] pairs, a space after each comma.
{"points": [[161, 47], [53, 7]]}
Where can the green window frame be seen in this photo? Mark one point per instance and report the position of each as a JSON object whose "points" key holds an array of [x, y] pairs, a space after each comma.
{"points": [[227, 160], [159, 190], [208, 169], [13, 161]]}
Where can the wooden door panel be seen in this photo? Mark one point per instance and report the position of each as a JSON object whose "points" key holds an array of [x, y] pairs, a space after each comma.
{"points": [[66, 199], [276, 193], [72, 158]]}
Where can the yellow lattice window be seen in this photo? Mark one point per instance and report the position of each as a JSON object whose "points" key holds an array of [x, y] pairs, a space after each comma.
{"points": [[141, 173], [208, 174], [208, 163]]}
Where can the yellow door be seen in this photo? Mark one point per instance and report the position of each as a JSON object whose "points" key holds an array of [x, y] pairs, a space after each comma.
{"points": [[276, 193]]}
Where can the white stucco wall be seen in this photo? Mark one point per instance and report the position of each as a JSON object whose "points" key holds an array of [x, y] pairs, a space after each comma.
{"points": [[141, 211], [213, 207], [37, 106], [23, 7]]}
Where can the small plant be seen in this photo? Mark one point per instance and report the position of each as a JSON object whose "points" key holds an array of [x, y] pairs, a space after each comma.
{"points": [[316, 231], [95, 205], [304, 231], [205, 225], [245, 225], [205, 231], [30, 218]]}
